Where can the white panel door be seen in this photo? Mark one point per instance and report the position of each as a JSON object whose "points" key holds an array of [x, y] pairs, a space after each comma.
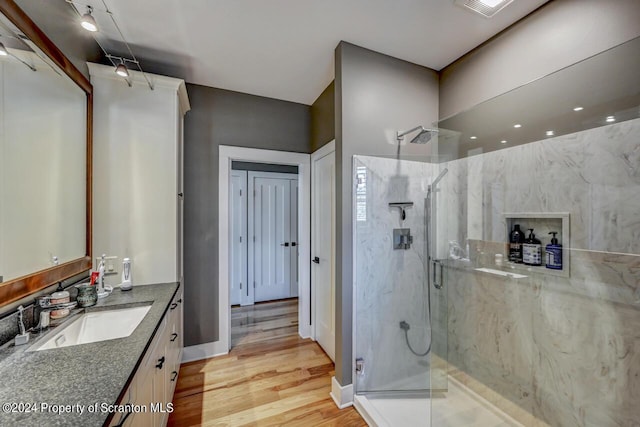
{"points": [[323, 247], [238, 255], [271, 216]]}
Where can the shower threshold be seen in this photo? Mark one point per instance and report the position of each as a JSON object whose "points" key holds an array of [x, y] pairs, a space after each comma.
{"points": [[460, 407]]}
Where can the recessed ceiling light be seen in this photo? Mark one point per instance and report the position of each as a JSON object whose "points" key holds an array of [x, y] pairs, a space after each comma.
{"points": [[3, 50], [549, 133], [504, 141], [611, 119], [474, 137], [486, 8], [578, 109], [491, 3], [517, 125]]}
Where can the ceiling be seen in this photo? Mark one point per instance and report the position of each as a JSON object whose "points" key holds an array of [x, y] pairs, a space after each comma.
{"points": [[284, 49]]}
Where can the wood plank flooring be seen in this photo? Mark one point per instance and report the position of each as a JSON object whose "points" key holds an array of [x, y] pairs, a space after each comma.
{"points": [[271, 377]]}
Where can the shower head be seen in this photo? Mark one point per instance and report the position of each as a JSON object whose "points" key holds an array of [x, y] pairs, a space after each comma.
{"points": [[424, 135], [439, 177]]}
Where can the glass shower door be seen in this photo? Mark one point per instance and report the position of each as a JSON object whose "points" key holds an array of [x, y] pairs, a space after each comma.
{"points": [[392, 329]]}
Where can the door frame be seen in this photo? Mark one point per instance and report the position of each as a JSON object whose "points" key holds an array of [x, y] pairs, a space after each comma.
{"points": [[318, 154], [227, 154]]}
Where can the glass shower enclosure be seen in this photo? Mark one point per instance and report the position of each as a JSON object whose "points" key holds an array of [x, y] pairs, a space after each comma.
{"points": [[451, 331]]}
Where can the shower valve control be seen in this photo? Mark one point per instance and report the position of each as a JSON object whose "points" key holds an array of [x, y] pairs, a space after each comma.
{"points": [[360, 366]]}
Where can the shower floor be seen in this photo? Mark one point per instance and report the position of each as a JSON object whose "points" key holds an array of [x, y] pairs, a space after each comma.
{"points": [[458, 407]]}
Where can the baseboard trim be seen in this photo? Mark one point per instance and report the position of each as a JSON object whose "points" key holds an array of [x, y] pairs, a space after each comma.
{"points": [[203, 351], [341, 395]]}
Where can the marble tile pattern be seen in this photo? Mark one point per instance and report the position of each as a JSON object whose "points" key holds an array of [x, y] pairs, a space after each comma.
{"points": [[565, 351], [391, 284]]}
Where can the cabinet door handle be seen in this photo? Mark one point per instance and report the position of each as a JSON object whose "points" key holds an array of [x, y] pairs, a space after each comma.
{"points": [[173, 306], [316, 260], [180, 300], [175, 375], [174, 336], [293, 243], [285, 244], [160, 363]]}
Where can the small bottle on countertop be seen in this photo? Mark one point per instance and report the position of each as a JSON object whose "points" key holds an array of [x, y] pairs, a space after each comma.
{"points": [[126, 275]]}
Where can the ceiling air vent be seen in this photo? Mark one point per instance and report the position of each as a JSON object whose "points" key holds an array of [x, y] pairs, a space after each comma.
{"points": [[486, 8]]}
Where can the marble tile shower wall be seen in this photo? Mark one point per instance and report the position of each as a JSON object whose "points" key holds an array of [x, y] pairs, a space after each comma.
{"points": [[390, 283], [565, 350]]}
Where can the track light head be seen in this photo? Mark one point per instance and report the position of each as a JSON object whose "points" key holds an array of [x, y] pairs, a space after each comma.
{"points": [[3, 50], [122, 70], [87, 21]]}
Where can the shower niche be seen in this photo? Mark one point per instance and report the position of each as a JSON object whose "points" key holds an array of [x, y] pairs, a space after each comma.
{"points": [[542, 223]]}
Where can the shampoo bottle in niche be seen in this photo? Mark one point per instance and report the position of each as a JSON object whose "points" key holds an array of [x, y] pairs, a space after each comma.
{"points": [[554, 253], [516, 238], [532, 250], [126, 275]]}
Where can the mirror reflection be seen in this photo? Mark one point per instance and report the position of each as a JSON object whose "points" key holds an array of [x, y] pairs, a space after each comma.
{"points": [[42, 160], [598, 91]]}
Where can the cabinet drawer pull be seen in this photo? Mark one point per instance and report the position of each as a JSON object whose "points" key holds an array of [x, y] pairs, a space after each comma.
{"points": [[160, 363], [175, 375], [174, 336], [173, 306]]}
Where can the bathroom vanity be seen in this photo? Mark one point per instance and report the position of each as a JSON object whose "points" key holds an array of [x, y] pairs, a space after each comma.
{"points": [[119, 382]]}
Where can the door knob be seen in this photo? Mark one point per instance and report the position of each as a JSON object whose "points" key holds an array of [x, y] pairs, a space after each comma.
{"points": [[316, 260]]}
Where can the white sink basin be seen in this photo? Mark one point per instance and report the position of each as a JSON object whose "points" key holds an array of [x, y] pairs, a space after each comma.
{"points": [[95, 326]]}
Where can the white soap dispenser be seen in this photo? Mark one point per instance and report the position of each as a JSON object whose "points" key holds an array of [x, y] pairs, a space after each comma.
{"points": [[126, 275]]}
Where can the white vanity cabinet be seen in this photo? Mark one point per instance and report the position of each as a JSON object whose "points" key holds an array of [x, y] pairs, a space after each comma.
{"points": [[155, 380], [137, 172]]}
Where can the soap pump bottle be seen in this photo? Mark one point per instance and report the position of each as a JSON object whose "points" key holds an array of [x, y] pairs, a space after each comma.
{"points": [[532, 250], [554, 253]]}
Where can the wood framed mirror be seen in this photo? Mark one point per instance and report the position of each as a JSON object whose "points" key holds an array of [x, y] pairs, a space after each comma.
{"points": [[77, 226]]}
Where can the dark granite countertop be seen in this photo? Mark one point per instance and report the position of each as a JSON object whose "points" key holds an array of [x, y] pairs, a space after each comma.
{"points": [[80, 375]]}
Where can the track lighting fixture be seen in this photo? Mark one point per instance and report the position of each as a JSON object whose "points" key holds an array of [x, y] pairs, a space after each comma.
{"points": [[87, 21], [122, 70], [3, 50]]}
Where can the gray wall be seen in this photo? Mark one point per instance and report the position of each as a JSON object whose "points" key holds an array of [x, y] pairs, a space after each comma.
{"points": [[376, 95], [221, 117], [555, 36], [60, 23], [323, 127]]}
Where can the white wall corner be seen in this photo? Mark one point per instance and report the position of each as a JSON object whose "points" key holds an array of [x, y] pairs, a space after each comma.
{"points": [[341, 395], [204, 351]]}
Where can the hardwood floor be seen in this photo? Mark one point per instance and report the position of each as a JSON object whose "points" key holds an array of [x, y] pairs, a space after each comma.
{"points": [[271, 377]]}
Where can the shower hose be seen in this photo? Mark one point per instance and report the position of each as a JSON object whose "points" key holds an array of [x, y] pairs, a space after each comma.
{"points": [[405, 327]]}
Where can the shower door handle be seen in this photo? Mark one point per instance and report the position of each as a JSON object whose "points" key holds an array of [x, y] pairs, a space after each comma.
{"points": [[437, 285]]}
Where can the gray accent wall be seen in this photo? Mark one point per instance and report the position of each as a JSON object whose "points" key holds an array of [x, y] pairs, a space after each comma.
{"points": [[60, 23], [222, 117], [323, 127], [555, 36], [375, 96]]}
